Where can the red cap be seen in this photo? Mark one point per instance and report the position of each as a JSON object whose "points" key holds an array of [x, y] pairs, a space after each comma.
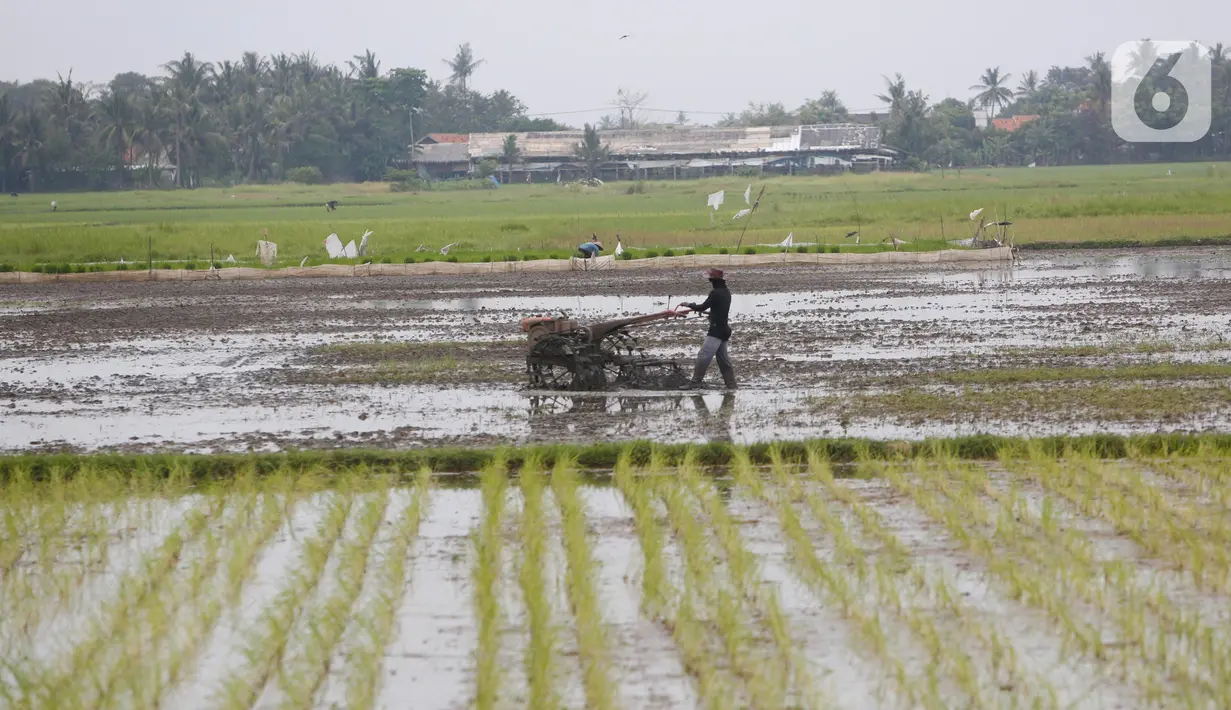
{"points": [[713, 273]]}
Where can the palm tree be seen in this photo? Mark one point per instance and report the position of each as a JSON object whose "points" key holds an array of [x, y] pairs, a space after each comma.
{"points": [[463, 65], [592, 151], [895, 93], [185, 86], [148, 132], [1100, 81], [511, 154], [1029, 84], [118, 125], [365, 65], [992, 91]]}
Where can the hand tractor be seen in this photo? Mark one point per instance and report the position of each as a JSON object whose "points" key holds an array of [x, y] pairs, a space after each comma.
{"points": [[565, 355]]}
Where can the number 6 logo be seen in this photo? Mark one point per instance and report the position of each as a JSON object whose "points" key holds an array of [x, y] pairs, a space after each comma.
{"points": [[1160, 91]]}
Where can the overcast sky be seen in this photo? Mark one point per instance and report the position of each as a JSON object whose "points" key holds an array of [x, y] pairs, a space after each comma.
{"points": [[560, 56]]}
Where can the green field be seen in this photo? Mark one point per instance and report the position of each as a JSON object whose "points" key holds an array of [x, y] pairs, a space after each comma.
{"points": [[1066, 205]]}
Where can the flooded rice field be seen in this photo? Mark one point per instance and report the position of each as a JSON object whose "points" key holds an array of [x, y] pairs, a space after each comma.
{"points": [[1036, 582], [1125, 341]]}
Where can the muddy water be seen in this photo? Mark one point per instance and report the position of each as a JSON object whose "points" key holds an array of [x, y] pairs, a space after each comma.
{"points": [[203, 367]]}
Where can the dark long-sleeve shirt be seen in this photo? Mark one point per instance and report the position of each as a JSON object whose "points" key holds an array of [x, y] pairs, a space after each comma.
{"points": [[718, 306]]}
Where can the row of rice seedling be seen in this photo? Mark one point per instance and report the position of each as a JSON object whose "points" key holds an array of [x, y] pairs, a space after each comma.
{"points": [[265, 645], [532, 578], [75, 678], [744, 576], [719, 598], [375, 622], [488, 553], [833, 585], [659, 601], [1052, 568], [581, 589], [303, 672], [1162, 527], [970, 654]]}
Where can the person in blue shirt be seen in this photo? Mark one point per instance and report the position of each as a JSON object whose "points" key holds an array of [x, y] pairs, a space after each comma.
{"points": [[590, 249]]}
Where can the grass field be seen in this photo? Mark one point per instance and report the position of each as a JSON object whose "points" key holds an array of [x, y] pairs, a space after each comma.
{"points": [[1048, 576], [1066, 205]]}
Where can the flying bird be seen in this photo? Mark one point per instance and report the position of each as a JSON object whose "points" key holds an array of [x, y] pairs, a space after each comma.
{"points": [[625, 36]]}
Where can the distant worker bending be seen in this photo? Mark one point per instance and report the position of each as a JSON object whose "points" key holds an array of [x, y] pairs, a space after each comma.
{"points": [[590, 249]]}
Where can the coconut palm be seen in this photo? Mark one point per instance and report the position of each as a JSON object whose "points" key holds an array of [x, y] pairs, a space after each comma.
{"points": [[116, 128], [992, 91], [1029, 84], [592, 151], [184, 93], [511, 154], [365, 65], [895, 94], [1100, 81], [462, 65]]}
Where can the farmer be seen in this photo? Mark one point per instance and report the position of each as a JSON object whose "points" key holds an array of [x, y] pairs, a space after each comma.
{"points": [[590, 249], [718, 306], [331, 205]]}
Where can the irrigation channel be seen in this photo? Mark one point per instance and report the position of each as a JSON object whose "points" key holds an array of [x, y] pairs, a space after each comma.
{"points": [[1034, 581], [1123, 341]]}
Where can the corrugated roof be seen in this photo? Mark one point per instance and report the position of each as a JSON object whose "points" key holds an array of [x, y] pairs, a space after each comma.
{"points": [[667, 142], [445, 138], [442, 153]]}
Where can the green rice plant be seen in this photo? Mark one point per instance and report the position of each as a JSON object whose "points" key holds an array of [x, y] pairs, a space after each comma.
{"points": [[1056, 574], [265, 645], [302, 674], [486, 576], [376, 622], [834, 587], [539, 654], [679, 619], [65, 681], [582, 594], [789, 671], [731, 617], [894, 565]]}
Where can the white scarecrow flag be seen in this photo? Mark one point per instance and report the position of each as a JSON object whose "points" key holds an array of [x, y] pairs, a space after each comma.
{"points": [[619, 247], [363, 243], [976, 213], [333, 245], [748, 195], [350, 252], [742, 213], [715, 200], [267, 251], [789, 241]]}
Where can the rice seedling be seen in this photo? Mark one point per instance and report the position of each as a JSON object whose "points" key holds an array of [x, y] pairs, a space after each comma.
{"points": [[678, 616], [789, 671], [1059, 575], [580, 586], [265, 645], [376, 621], [71, 680], [486, 574], [301, 675], [532, 535]]}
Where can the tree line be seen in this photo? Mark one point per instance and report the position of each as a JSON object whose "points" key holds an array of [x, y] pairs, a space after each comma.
{"points": [[252, 120], [260, 118], [1072, 103]]}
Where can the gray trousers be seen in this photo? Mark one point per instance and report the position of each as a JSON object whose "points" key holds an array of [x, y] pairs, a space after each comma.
{"points": [[711, 347]]}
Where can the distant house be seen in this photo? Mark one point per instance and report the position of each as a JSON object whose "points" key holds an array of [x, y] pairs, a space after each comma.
{"points": [[1012, 123], [442, 160], [673, 152]]}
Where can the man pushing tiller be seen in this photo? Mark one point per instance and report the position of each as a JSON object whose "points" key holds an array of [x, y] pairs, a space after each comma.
{"points": [[718, 306]]}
